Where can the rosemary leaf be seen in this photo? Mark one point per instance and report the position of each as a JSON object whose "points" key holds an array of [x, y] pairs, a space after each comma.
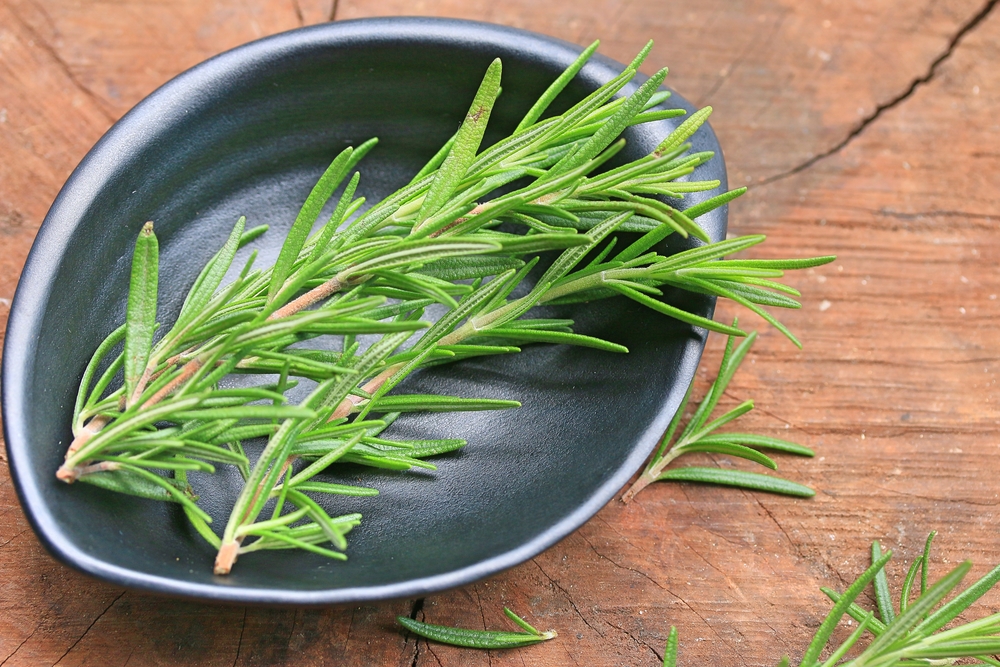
{"points": [[481, 639], [740, 478], [467, 140], [140, 315]]}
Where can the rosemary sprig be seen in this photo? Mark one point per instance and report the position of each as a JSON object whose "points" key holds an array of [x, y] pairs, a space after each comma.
{"points": [[699, 436], [481, 639], [913, 637], [437, 241]]}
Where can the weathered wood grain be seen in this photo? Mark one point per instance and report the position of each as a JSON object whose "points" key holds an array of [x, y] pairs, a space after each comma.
{"points": [[866, 130]]}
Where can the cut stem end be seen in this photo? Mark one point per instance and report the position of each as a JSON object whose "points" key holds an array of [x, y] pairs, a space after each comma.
{"points": [[226, 557]]}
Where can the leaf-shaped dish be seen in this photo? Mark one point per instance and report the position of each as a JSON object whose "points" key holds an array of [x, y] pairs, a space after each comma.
{"points": [[248, 132]]}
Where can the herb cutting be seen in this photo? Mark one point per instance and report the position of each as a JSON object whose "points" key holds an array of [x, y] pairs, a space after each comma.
{"points": [[464, 238]]}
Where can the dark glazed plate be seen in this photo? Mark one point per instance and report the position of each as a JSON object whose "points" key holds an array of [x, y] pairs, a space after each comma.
{"points": [[248, 132]]}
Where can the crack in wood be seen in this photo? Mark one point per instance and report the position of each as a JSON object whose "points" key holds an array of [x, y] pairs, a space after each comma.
{"points": [[732, 584], [239, 645], [482, 614], [916, 83], [732, 67], [417, 608], [350, 627], [936, 214], [714, 631], [795, 545], [624, 538], [638, 641], [60, 63], [619, 565], [90, 627], [569, 598], [433, 655], [14, 652], [3, 544]]}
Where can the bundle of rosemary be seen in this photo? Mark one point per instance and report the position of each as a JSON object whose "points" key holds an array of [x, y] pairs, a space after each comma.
{"points": [[446, 240]]}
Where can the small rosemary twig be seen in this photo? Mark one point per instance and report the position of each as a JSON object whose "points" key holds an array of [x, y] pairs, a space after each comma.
{"points": [[699, 436]]}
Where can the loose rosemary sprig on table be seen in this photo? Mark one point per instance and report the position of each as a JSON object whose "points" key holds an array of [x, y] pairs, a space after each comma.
{"points": [[436, 241], [910, 635], [699, 436], [482, 639]]}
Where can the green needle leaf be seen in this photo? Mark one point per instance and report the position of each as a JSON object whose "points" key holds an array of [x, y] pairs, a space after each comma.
{"points": [[676, 313], [713, 203], [915, 612], [420, 251], [826, 628], [519, 335], [435, 162], [337, 489], [730, 450], [523, 624], [330, 228], [612, 128], [641, 56], [127, 481], [306, 218], [739, 478], [434, 403], [211, 276], [555, 88], [467, 141], [670, 653], [925, 561], [113, 339], [911, 576], [875, 626], [948, 612], [140, 315], [683, 131], [837, 655], [479, 639], [885, 610], [758, 442]]}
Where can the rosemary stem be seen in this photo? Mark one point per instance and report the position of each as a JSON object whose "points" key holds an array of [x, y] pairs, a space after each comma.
{"points": [[88, 431], [346, 406], [650, 474], [189, 369], [230, 549], [330, 287], [260, 478]]}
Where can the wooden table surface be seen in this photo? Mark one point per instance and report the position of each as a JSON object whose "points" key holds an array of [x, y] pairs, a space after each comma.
{"points": [[864, 129]]}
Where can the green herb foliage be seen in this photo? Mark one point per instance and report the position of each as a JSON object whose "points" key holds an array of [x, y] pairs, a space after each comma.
{"points": [[437, 242], [481, 639], [910, 635], [699, 435]]}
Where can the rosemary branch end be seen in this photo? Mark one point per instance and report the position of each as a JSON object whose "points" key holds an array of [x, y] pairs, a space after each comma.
{"points": [[226, 557]]}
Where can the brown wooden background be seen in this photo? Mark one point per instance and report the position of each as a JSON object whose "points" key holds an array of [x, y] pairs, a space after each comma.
{"points": [[865, 129]]}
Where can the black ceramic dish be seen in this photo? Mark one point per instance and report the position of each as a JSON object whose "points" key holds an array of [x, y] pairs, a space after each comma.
{"points": [[248, 132]]}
